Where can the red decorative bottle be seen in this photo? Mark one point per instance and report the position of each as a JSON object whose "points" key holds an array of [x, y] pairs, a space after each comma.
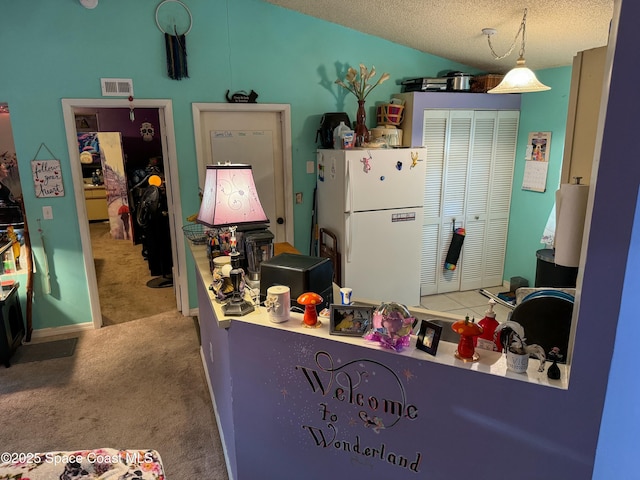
{"points": [[489, 323]]}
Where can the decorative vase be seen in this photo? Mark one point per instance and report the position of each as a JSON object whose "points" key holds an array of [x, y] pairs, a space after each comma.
{"points": [[362, 133], [517, 362]]}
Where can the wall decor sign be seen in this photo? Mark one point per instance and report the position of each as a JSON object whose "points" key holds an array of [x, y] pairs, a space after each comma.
{"points": [[47, 176], [536, 162], [359, 397]]}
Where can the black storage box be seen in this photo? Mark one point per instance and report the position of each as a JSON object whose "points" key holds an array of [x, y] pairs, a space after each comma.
{"points": [[301, 273]]}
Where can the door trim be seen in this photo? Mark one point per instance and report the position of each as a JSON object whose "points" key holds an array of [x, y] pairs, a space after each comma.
{"points": [[284, 110], [173, 195]]}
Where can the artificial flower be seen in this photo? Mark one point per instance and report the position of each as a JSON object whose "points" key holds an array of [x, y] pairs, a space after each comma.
{"points": [[358, 84]]}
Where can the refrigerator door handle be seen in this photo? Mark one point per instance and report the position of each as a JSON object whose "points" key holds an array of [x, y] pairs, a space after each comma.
{"points": [[347, 179], [348, 231]]}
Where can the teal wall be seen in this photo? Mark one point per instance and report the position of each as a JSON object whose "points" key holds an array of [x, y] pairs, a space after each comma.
{"points": [[56, 50], [540, 112]]}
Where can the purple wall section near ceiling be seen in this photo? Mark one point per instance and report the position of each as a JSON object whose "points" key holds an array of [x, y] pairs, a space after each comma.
{"points": [[137, 151]]}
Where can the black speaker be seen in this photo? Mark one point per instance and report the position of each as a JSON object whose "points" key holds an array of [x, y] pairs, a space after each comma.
{"points": [[301, 273]]}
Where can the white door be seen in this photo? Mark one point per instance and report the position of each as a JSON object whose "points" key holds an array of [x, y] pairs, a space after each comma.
{"points": [[254, 134]]}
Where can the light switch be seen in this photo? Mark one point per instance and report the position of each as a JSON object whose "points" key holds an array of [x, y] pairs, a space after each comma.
{"points": [[311, 166], [47, 213]]}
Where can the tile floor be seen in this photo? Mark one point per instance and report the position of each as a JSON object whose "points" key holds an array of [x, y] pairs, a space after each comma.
{"points": [[470, 302]]}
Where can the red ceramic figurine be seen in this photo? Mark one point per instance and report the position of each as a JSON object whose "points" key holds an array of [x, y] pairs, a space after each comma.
{"points": [[468, 331], [310, 300]]}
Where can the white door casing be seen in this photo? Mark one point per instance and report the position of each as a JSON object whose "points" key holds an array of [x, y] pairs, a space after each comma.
{"points": [[173, 195], [249, 127]]}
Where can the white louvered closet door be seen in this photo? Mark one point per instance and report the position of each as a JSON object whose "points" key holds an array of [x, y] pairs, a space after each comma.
{"points": [[477, 199], [470, 161], [434, 138], [500, 197]]}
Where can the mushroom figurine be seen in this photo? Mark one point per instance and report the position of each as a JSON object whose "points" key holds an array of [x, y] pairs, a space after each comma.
{"points": [[468, 331], [310, 300]]}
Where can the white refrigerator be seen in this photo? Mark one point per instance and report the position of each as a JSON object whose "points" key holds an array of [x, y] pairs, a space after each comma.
{"points": [[372, 200]]}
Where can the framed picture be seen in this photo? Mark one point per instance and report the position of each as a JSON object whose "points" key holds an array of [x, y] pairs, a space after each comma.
{"points": [[429, 337], [353, 320], [87, 123]]}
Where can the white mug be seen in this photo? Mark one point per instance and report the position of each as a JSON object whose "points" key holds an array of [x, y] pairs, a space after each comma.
{"points": [[278, 303], [345, 296]]}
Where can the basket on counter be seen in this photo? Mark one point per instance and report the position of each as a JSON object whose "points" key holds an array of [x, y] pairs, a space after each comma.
{"points": [[196, 233], [389, 114]]}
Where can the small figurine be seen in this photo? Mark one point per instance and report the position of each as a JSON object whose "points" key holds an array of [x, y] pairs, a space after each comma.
{"points": [[553, 372], [366, 166]]}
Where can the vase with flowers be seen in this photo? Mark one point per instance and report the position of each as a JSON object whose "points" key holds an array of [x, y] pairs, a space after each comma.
{"points": [[361, 84]]}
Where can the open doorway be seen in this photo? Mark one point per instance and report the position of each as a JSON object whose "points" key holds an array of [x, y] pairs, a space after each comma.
{"points": [[116, 266]]}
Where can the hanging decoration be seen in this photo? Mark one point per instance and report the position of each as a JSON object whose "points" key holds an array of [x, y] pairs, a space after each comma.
{"points": [[47, 175], [455, 247], [132, 115], [147, 131], [175, 44]]}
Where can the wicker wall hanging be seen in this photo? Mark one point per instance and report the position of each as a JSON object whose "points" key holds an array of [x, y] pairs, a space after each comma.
{"points": [[175, 44]]}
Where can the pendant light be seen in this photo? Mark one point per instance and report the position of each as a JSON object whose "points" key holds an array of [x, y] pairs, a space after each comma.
{"points": [[519, 79]]}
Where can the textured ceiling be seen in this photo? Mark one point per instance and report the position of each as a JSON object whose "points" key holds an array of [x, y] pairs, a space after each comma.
{"points": [[556, 29]]}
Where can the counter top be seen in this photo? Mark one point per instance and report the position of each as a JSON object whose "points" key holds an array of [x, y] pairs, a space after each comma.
{"points": [[492, 363]]}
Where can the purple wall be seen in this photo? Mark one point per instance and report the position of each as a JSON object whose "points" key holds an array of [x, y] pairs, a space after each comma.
{"points": [[617, 211], [455, 424]]}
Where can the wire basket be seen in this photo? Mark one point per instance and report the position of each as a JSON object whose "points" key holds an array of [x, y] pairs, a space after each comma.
{"points": [[196, 233]]}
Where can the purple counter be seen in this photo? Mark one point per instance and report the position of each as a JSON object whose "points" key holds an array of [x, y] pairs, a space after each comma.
{"points": [[297, 403]]}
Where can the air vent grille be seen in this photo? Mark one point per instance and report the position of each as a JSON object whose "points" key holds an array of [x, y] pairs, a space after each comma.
{"points": [[117, 87]]}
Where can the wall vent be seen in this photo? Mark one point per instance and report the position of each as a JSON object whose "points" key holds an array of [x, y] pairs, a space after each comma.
{"points": [[117, 87]]}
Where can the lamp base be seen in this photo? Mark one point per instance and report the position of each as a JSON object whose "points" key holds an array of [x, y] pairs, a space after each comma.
{"points": [[238, 308]]}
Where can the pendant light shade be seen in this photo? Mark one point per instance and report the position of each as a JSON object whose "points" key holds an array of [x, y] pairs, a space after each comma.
{"points": [[519, 79]]}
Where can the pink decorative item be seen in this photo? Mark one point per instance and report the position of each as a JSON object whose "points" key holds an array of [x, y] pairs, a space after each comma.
{"points": [[391, 326]]}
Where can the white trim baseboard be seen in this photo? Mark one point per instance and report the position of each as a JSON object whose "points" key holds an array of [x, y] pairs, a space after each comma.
{"points": [[64, 330]]}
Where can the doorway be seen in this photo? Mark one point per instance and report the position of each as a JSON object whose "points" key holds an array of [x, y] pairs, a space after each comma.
{"points": [[165, 130], [255, 134]]}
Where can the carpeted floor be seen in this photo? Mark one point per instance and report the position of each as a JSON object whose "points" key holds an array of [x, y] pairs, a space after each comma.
{"points": [[122, 275], [136, 385]]}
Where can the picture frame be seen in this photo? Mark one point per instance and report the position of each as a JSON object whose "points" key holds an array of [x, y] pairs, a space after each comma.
{"points": [[429, 337], [350, 320]]}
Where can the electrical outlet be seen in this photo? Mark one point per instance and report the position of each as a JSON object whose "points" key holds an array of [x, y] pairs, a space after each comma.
{"points": [[47, 213], [311, 166], [298, 197]]}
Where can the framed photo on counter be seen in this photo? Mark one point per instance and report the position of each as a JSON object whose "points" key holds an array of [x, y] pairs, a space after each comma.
{"points": [[353, 320], [429, 337]]}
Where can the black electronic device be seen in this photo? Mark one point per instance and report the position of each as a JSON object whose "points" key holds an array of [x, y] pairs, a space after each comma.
{"points": [[301, 273], [328, 123]]}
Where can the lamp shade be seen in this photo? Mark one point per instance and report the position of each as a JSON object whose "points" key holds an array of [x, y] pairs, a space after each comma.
{"points": [[519, 79], [230, 197]]}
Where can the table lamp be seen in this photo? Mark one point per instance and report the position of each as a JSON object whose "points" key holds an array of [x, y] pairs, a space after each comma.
{"points": [[230, 199]]}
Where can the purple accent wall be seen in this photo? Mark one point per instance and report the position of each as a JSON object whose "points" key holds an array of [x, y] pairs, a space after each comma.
{"points": [[453, 419], [448, 101]]}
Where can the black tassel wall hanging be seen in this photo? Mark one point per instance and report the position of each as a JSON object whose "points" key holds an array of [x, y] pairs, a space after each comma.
{"points": [[175, 44], [176, 47]]}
